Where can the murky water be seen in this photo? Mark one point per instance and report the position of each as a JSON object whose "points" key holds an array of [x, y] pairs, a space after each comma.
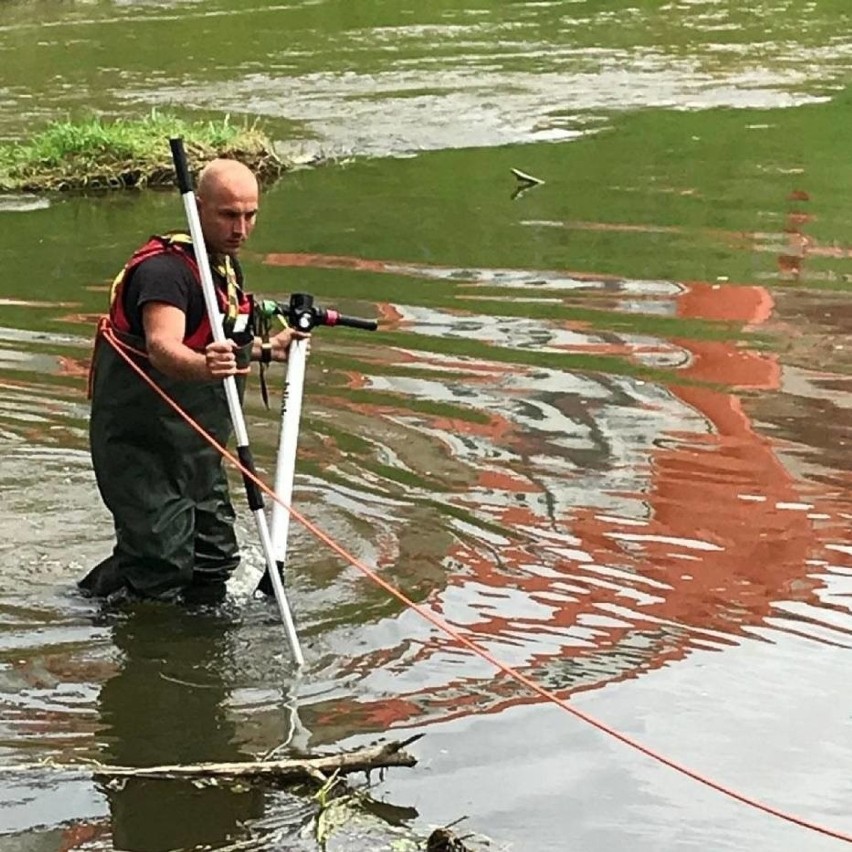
{"points": [[603, 430]]}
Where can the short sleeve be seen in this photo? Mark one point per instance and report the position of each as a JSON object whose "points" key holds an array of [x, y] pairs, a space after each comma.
{"points": [[162, 278]]}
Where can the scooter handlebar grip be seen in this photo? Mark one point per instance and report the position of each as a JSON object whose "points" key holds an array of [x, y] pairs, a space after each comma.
{"points": [[357, 322], [181, 168], [334, 318]]}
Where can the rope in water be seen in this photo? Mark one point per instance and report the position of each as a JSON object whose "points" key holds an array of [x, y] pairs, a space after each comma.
{"points": [[445, 627]]}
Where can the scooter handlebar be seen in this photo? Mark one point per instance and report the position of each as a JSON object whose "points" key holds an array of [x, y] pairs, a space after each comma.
{"points": [[303, 314]]}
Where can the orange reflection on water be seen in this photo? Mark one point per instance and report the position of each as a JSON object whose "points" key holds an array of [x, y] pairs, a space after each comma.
{"points": [[728, 533]]}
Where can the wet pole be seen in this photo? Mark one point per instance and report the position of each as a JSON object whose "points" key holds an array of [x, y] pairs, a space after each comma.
{"points": [[253, 492], [301, 314]]}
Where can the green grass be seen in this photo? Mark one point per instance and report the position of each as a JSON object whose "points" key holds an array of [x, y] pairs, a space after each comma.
{"points": [[96, 154]]}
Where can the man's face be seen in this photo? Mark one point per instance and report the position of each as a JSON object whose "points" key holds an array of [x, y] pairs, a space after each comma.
{"points": [[228, 215]]}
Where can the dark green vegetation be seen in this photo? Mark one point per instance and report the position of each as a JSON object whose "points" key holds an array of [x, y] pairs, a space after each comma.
{"points": [[96, 154]]}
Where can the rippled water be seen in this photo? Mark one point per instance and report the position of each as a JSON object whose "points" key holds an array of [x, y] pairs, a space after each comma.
{"points": [[375, 80], [603, 430]]}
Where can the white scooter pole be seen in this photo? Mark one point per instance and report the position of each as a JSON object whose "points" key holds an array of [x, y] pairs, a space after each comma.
{"points": [[285, 470], [253, 492], [303, 315]]}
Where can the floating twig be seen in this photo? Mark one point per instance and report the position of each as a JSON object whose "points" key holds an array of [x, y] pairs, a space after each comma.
{"points": [[523, 177]]}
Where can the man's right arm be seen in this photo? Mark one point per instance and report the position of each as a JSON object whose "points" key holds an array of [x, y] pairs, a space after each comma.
{"points": [[165, 326]]}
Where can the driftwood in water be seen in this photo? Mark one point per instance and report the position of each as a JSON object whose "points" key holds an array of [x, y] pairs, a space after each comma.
{"points": [[307, 768], [320, 768]]}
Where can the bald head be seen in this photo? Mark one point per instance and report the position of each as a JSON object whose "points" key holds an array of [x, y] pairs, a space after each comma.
{"points": [[222, 174], [227, 198]]}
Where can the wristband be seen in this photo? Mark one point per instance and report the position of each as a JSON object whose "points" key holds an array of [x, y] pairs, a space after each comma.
{"points": [[265, 352]]}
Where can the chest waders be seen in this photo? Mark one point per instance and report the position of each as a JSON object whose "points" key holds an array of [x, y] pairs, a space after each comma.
{"points": [[163, 483]]}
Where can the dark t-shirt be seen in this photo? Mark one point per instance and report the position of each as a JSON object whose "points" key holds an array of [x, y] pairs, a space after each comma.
{"points": [[167, 278]]}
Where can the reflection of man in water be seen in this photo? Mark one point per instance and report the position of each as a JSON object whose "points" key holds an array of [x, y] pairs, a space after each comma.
{"points": [[166, 704]]}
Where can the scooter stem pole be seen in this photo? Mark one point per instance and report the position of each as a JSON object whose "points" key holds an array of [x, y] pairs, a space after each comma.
{"points": [[253, 492], [291, 411]]}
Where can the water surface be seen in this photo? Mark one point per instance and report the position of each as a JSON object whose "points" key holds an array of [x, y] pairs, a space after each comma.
{"points": [[603, 429]]}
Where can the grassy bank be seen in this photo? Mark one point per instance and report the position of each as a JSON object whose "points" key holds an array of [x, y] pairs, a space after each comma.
{"points": [[96, 154]]}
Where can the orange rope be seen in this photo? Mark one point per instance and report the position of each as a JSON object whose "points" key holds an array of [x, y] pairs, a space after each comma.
{"points": [[468, 643]]}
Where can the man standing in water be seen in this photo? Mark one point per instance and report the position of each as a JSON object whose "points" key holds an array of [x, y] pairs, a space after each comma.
{"points": [[163, 483]]}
